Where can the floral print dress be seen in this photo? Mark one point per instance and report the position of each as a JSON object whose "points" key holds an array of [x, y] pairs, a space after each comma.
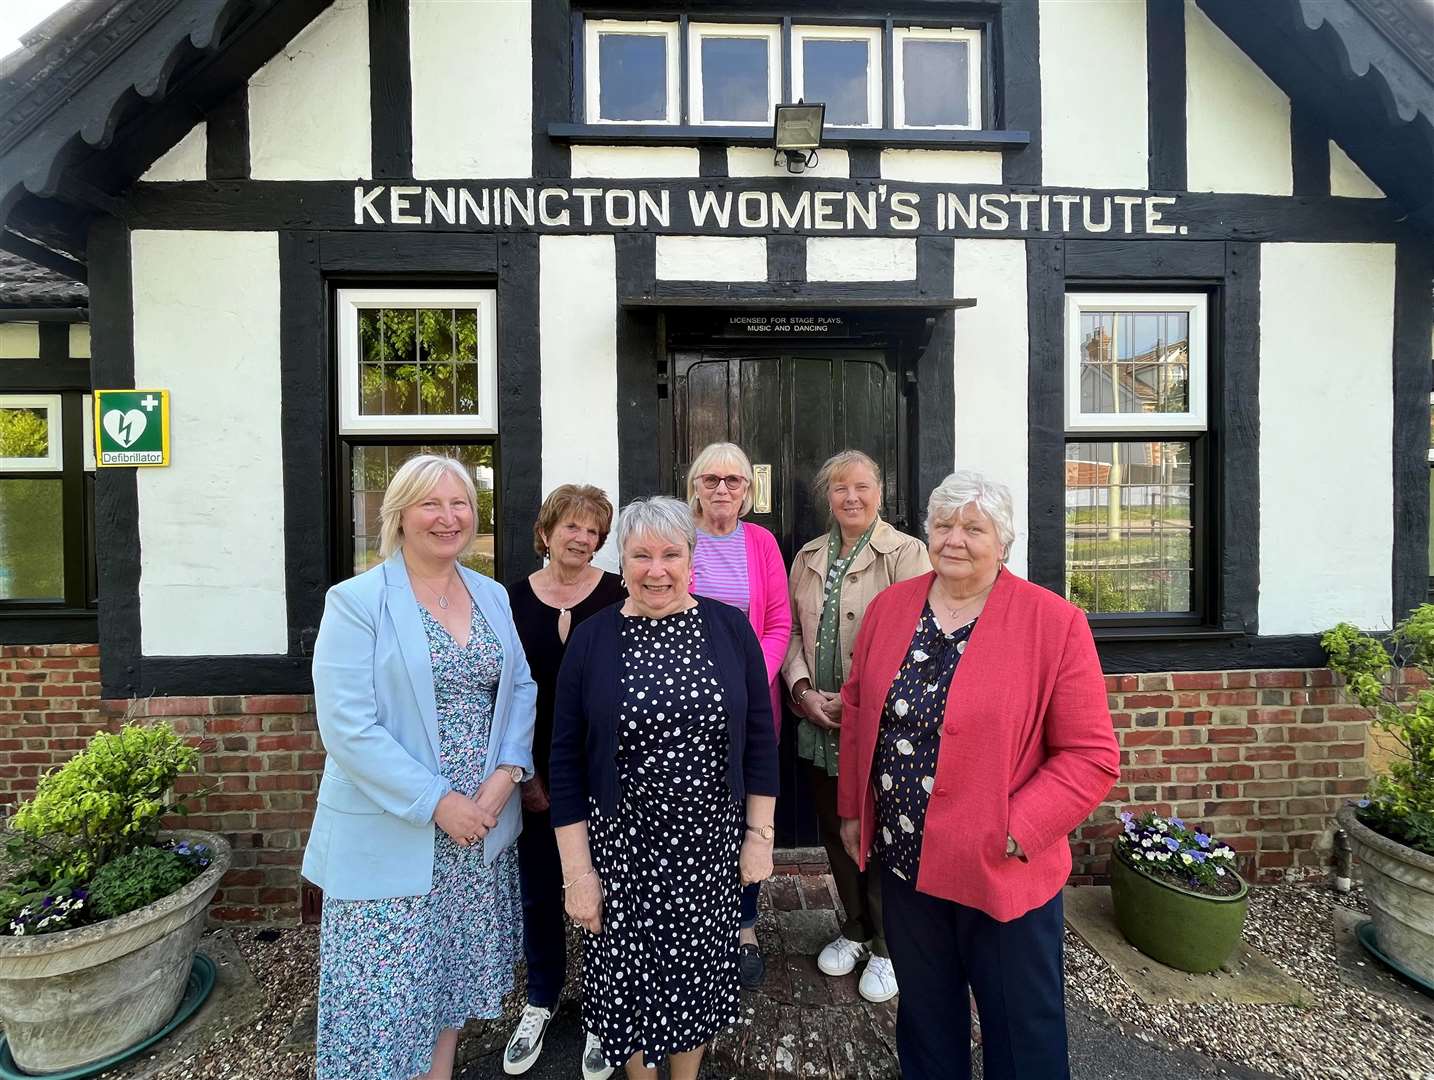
{"points": [[394, 973]]}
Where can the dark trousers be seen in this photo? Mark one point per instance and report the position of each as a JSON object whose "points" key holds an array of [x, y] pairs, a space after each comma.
{"points": [[540, 876], [860, 891], [940, 949], [749, 905]]}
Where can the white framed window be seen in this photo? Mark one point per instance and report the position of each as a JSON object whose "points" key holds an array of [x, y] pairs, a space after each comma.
{"points": [[30, 433], [936, 77], [734, 72], [841, 67], [630, 72], [1136, 362], [87, 410], [417, 361]]}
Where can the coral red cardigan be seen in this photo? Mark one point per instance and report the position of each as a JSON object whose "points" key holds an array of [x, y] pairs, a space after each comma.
{"points": [[1027, 746]]}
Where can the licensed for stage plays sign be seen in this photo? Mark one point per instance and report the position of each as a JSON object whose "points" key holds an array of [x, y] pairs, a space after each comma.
{"points": [[131, 428]]}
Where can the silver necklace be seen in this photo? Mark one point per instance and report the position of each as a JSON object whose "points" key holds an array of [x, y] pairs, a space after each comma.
{"points": [[442, 596]]}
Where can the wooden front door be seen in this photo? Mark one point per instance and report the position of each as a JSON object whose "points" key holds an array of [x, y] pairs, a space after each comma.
{"points": [[790, 410]]}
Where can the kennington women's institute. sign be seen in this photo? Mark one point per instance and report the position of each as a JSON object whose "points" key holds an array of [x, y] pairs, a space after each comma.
{"points": [[875, 209]]}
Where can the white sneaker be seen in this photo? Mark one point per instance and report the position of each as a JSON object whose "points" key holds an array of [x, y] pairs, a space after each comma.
{"points": [[878, 981], [595, 1066], [526, 1042], [840, 957]]}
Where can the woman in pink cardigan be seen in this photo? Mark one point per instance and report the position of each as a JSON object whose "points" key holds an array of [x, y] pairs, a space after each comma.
{"points": [[976, 738], [739, 563]]}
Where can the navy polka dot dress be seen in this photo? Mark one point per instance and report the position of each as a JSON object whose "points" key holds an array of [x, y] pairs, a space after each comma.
{"points": [[661, 978], [909, 740]]}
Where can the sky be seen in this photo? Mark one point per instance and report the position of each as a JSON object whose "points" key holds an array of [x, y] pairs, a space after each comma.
{"points": [[17, 16]]}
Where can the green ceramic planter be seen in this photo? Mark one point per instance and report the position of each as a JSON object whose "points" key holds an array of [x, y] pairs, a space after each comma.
{"points": [[1179, 928]]}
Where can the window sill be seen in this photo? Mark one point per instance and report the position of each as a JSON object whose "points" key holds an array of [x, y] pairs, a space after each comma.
{"points": [[1156, 632], [698, 135], [48, 626]]}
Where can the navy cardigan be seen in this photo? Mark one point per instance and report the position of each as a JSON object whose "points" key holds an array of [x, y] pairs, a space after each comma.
{"points": [[585, 732]]}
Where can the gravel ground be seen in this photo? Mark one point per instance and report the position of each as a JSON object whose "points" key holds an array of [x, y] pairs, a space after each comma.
{"points": [[1342, 1034]]}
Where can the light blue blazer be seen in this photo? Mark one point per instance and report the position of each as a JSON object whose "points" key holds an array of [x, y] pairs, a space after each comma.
{"points": [[373, 830]]}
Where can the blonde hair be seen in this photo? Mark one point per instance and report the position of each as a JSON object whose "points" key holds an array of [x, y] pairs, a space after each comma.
{"points": [[837, 465], [415, 478], [572, 500], [719, 453]]}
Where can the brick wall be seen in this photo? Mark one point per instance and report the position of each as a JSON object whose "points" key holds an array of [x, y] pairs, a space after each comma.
{"points": [[1263, 759]]}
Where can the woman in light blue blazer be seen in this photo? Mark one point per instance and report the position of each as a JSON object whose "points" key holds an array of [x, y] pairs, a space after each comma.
{"points": [[425, 706]]}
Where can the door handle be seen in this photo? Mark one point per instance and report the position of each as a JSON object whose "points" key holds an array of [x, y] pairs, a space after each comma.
{"points": [[761, 489]]}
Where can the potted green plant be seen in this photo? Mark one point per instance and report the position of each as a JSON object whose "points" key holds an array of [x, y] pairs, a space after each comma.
{"points": [[1392, 830], [100, 911], [1178, 897]]}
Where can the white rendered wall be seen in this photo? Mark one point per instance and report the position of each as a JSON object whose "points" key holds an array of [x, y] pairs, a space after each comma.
{"points": [[309, 105], [711, 258], [19, 341], [211, 525], [1348, 179], [941, 166], [185, 160], [634, 162], [80, 340], [577, 311], [472, 67], [758, 161], [1094, 127], [992, 360], [1326, 414], [1237, 120], [834, 258]]}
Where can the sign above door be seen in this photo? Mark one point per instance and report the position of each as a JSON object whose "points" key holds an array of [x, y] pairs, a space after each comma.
{"points": [[784, 326]]}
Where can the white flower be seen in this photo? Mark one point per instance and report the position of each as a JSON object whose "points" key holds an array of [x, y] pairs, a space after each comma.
{"points": [[885, 781], [1145, 842], [903, 746], [928, 782], [886, 834], [900, 709], [1185, 858], [906, 824], [1220, 870], [960, 648], [920, 656]]}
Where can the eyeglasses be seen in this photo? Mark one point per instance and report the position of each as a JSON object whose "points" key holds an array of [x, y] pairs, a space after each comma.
{"points": [[732, 483]]}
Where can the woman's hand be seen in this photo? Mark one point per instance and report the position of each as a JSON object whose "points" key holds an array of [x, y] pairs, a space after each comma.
{"points": [[851, 838], [816, 706], [463, 818], [755, 861], [582, 900], [493, 794]]}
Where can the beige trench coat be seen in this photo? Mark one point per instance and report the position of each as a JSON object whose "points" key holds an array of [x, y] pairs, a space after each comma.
{"points": [[889, 557]]}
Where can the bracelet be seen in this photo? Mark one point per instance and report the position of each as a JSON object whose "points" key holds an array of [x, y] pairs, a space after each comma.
{"points": [[803, 695], [569, 884]]}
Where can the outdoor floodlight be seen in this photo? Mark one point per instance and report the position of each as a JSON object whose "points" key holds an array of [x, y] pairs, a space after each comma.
{"points": [[796, 134]]}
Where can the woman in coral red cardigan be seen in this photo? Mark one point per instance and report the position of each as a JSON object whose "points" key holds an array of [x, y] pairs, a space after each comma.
{"points": [[976, 738]]}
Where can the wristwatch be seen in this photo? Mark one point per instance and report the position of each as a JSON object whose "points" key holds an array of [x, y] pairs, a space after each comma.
{"points": [[766, 832], [515, 772]]}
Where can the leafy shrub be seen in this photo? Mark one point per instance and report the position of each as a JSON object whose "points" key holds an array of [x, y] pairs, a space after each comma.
{"points": [[1401, 801], [143, 876], [1167, 847], [105, 801]]}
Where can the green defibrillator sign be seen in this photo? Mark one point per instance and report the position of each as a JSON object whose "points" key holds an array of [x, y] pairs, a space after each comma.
{"points": [[131, 428]]}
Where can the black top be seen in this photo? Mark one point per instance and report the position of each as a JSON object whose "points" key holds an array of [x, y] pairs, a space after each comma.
{"points": [[537, 625], [586, 711], [908, 740]]}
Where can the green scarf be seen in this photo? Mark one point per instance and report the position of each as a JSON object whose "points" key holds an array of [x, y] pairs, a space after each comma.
{"points": [[819, 745]]}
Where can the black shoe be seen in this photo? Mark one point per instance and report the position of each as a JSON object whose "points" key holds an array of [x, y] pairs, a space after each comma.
{"points": [[751, 968]]}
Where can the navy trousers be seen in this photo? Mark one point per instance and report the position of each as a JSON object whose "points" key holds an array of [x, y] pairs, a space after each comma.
{"points": [[940, 949], [540, 877]]}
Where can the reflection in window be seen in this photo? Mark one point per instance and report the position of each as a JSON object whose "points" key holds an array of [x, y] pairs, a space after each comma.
{"points": [[736, 78], [24, 433], [373, 467], [632, 77], [418, 362], [835, 71], [1128, 528], [32, 547], [1134, 362], [935, 81]]}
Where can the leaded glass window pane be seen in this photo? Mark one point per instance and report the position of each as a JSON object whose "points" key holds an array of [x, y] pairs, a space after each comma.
{"points": [[32, 539], [418, 362], [1134, 362]]}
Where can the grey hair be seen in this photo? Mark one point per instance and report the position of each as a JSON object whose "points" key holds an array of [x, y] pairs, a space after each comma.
{"points": [[657, 515], [715, 454], [965, 488]]}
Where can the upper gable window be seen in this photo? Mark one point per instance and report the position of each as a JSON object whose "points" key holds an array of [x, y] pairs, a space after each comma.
{"points": [[632, 72], [840, 66], [937, 77], [735, 73]]}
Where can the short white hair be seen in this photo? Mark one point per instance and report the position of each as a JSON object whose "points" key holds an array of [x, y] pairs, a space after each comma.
{"points": [[715, 455], [413, 482], [966, 487], [661, 516]]}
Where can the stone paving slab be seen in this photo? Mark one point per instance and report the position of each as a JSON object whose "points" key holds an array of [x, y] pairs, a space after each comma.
{"points": [[1359, 969], [1252, 978], [234, 1003]]}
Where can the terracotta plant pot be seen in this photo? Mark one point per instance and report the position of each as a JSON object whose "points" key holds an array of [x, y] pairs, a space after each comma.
{"points": [[1174, 925], [79, 996], [1399, 885]]}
